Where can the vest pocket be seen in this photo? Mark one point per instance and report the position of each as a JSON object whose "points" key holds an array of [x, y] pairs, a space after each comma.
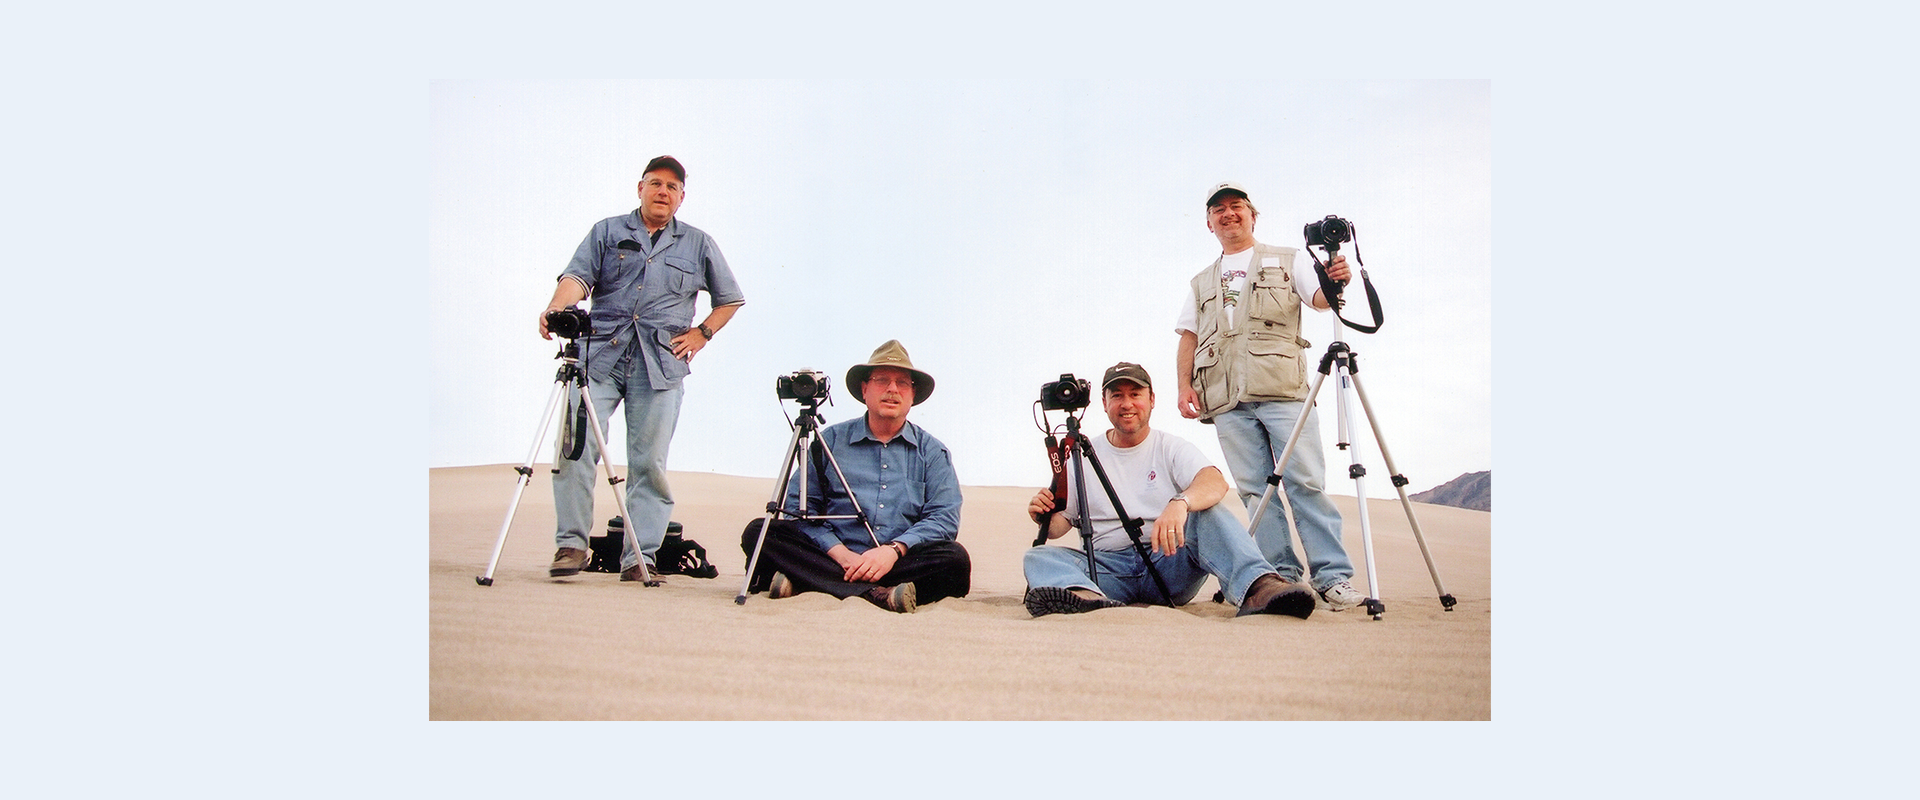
{"points": [[1275, 369], [1209, 378]]}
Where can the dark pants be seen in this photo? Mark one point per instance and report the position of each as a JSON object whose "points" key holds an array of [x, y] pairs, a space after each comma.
{"points": [[938, 570]]}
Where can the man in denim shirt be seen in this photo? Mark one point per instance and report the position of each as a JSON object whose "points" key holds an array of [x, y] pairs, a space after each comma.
{"points": [[642, 270], [904, 480]]}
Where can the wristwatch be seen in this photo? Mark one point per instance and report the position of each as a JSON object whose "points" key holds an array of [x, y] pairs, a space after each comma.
{"points": [[705, 331], [1182, 497], [901, 548]]}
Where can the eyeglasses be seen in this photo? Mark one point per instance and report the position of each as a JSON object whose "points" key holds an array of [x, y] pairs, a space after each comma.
{"points": [[904, 383]]}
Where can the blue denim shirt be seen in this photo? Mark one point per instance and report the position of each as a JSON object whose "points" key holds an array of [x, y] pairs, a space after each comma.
{"points": [[907, 487], [644, 292]]}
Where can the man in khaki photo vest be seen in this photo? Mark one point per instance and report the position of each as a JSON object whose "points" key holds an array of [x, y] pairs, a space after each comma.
{"points": [[1243, 369]]}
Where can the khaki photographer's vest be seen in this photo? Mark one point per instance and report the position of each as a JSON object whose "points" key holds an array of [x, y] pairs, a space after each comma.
{"points": [[1261, 356]]}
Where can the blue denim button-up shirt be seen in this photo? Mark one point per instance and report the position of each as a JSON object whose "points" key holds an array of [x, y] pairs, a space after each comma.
{"points": [[907, 487], [644, 292]]}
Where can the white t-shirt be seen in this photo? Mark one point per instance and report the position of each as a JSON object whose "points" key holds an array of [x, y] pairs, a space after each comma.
{"points": [[1233, 278], [1145, 476]]}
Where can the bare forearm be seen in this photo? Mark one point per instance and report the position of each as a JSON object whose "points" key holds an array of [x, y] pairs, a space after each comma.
{"points": [[1183, 359], [718, 318], [1207, 489], [567, 292]]}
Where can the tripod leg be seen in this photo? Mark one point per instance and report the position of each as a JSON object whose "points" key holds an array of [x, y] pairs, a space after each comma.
{"points": [[778, 500], [1279, 468], [526, 474], [1354, 470], [647, 577], [1400, 485]]}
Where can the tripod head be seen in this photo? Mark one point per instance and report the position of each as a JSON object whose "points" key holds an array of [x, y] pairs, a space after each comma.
{"points": [[572, 366]]}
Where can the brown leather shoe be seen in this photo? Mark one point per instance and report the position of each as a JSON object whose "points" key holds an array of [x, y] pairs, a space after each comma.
{"points": [[1271, 595], [567, 561], [780, 587], [639, 572], [899, 599]]}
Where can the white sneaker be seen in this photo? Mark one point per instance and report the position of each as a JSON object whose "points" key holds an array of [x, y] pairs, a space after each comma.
{"points": [[1341, 596]]}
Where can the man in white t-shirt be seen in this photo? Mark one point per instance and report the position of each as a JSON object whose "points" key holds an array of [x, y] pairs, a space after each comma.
{"points": [[1165, 482]]}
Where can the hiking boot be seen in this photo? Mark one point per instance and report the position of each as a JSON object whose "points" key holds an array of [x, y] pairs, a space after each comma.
{"points": [[1342, 596], [780, 587], [899, 599], [567, 561], [636, 573], [1271, 595], [1044, 600]]}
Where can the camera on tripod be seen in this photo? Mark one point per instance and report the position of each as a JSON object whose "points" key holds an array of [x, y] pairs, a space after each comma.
{"points": [[803, 385], [1066, 394], [569, 322], [1330, 232]]}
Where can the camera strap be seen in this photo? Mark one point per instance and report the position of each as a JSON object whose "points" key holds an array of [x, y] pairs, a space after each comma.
{"points": [[1057, 461], [1331, 290], [574, 424]]}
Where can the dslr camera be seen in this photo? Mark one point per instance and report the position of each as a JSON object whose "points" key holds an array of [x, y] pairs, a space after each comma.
{"points": [[1330, 232], [569, 322], [1067, 394], [803, 385]]}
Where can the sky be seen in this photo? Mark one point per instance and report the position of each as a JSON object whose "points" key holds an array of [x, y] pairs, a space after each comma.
{"points": [[1005, 231]]}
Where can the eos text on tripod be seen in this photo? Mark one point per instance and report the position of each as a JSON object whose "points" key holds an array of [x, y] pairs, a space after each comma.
{"points": [[569, 322]]}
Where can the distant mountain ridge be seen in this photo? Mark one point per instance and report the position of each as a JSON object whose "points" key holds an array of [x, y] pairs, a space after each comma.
{"points": [[1474, 490]]}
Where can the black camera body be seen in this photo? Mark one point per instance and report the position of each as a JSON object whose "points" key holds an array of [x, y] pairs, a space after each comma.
{"points": [[1330, 232], [1067, 394], [803, 385], [569, 322]]}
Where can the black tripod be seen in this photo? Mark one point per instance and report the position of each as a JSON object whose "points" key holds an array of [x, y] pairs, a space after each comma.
{"points": [[806, 439], [1341, 357], [570, 384], [1076, 444]]}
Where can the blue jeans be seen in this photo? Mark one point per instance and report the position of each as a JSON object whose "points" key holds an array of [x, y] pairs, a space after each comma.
{"points": [[1217, 545], [1252, 436], [651, 417]]}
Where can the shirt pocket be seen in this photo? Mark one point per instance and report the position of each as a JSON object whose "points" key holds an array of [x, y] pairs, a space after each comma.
{"points": [[680, 277]]}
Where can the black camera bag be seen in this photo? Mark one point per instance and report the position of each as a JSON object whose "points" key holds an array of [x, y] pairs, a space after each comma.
{"points": [[677, 555]]}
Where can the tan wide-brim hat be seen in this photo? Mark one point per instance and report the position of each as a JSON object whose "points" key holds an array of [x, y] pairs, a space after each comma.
{"points": [[891, 354]]}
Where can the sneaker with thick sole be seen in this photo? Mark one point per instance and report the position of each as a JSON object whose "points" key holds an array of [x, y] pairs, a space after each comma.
{"points": [[1342, 596], [567, 561], [900, 599], [1044, 600], [780, 587], [1271, 595]]}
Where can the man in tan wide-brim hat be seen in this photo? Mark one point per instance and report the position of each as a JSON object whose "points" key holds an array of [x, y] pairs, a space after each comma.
{"points": [[904, 481]]}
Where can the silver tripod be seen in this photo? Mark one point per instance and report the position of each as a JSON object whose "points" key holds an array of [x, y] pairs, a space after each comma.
{"points": [[806, 439], [569, 383], [1342, 358]]}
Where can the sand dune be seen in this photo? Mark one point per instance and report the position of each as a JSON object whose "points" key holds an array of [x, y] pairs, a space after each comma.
{"points": [[591, 647]]}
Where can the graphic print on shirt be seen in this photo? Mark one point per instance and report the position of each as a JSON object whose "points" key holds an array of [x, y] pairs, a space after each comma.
{"points": [[1227, 290]]}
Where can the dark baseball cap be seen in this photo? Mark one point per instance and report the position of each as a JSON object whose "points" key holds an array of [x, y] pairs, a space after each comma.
{"points": [[667, 163], [1125, 371]]}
